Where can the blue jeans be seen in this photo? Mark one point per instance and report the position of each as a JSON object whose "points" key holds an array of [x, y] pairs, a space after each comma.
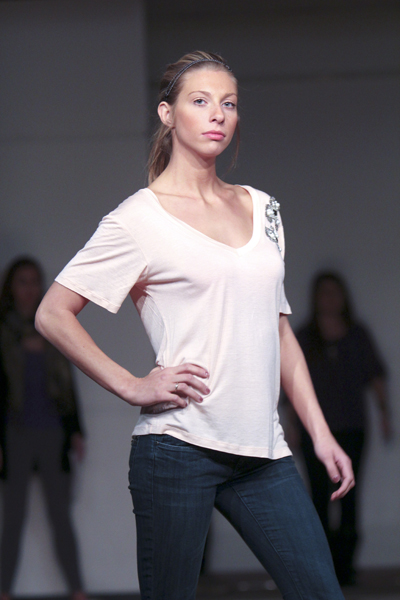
{"points": [[174, 487]]}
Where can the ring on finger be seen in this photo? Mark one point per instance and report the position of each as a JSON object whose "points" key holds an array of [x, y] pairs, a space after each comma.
{"points": [[176, 387]]}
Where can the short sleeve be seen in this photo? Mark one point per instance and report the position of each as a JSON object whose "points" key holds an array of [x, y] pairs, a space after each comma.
{"points": [[284, 307], [107, 267]]}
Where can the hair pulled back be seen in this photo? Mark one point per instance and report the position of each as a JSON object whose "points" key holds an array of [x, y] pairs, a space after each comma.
{"points": [[170, 87], [6, 295]]}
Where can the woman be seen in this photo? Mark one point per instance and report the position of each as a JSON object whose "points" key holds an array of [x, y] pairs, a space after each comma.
{"points": [[207, 282], [343, 363], [39, 423]]}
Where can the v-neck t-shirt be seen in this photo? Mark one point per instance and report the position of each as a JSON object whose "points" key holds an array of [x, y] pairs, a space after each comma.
{"points": [[203, 302]]}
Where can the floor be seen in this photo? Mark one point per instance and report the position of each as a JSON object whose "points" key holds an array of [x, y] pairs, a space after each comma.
{"points": [[378, 584], [383, 584]]}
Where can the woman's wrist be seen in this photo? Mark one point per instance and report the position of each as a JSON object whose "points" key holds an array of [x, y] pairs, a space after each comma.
{"points": [[126, 388], [319, 430]]}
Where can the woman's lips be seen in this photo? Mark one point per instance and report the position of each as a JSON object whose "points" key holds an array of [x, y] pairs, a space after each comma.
{"points": [[214, 135]]}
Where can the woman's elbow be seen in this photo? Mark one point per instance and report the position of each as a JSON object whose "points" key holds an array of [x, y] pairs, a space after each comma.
{"points": [[42, 318], [48, 309], [56, 309]]}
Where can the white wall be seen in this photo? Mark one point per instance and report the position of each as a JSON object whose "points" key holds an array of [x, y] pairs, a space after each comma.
{"points": [[320, 127], [72, 146]]}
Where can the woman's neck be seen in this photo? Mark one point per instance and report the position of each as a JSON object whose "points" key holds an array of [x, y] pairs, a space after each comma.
{"points": [[189, 176]]}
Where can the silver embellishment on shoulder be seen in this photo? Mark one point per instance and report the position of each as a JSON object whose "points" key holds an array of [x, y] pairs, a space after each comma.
{"points": [[272, 215]]}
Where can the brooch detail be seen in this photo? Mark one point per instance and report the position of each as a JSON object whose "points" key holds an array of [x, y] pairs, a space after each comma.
{"points": [[272, 216]]}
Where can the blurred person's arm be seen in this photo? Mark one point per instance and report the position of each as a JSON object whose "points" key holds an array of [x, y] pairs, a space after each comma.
{"points": [[3, 412], [379, 387], [78, 445], [72, 422]]}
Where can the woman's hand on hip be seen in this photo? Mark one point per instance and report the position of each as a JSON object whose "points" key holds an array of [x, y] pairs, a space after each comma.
{"points": [[170, 384], [56, 321]]}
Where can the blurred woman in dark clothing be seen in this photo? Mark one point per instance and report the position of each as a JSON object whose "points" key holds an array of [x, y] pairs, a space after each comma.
{"points": [[39, 424], [343, 363]]}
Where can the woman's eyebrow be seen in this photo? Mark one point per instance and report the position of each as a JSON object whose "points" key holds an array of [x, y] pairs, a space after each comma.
{"points": [[205, 93]]}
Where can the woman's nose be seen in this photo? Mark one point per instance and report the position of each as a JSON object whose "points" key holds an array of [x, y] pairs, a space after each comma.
{"points": [[218, 114]]}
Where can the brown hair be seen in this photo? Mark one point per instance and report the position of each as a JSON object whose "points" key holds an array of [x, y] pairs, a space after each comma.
{"points": [[6, 295], [170, 86]]}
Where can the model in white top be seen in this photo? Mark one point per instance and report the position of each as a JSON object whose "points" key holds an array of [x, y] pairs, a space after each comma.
{"points": [[192, 252], [203, 302]]}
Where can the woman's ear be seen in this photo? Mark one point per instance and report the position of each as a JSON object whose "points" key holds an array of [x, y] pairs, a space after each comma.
{"points": [[165, 113]]}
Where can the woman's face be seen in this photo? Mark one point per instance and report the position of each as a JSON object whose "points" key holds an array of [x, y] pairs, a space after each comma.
{"points": [[26, 289], [204, 117], [329, 298]]}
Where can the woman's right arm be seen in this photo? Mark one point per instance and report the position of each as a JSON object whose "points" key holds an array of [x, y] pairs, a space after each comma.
{"points": [[56, 320]]}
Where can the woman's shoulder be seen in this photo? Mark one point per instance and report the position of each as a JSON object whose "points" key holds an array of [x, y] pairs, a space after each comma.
{"points": [[260, 196], [130, 215], [132, 210], [137, 201], [254, 191]]}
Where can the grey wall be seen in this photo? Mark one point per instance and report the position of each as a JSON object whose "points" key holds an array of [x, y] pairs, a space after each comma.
{"points": [[72, 146], [320, 91]]}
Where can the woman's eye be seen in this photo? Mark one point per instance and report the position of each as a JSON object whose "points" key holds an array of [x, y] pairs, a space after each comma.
{"points": [[230, 104], [199, 101]]}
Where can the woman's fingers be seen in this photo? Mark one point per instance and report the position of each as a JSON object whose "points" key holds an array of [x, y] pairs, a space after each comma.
{"points": [[337, 464], [172, 384], [186, 380], [188, 386], [346, 477], [186, 391], [189, 378]]}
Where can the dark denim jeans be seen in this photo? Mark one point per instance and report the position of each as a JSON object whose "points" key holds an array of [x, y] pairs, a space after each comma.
{"points": [[174, 487]]}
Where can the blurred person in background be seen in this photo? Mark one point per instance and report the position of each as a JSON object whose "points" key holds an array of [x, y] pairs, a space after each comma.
{"points": [[39, 424], [343, 363]]}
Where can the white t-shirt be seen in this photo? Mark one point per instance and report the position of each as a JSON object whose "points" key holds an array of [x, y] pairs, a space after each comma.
{"points": [[202, 302]]}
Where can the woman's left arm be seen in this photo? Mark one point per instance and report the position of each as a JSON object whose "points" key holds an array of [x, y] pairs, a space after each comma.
{"points": [[379, 387], [297, 384]]}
